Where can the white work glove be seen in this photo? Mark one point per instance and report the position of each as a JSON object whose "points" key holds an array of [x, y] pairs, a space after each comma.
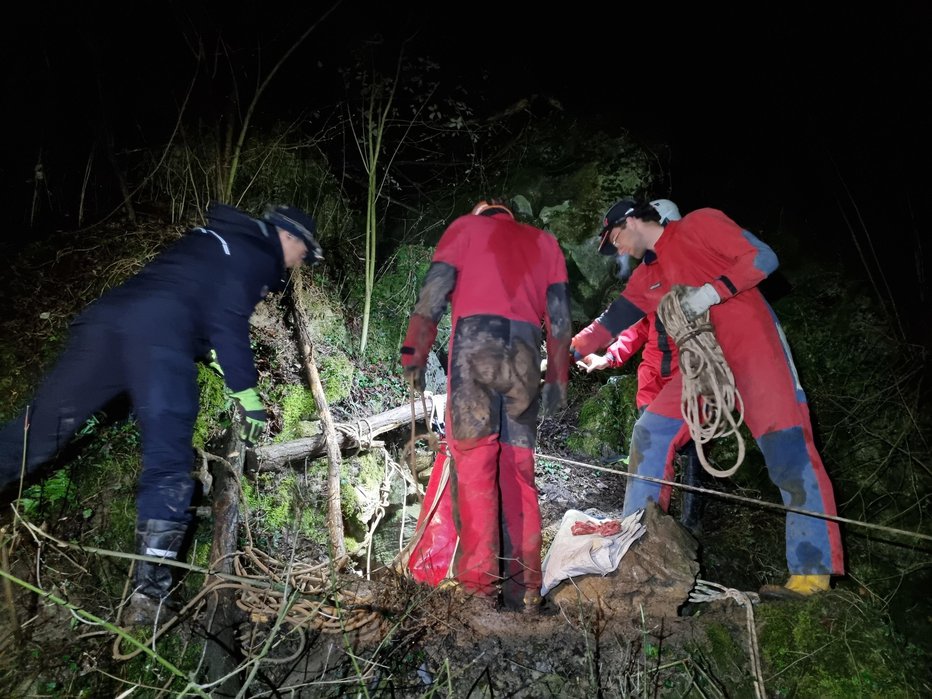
{"points": [[698, 300], [593, 362]]}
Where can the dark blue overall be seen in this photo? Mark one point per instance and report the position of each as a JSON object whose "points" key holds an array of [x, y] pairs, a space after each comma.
{"points": [[141, 339]]}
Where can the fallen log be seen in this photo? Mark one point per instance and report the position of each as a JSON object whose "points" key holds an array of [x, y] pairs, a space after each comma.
{"points": [[352, 437]]}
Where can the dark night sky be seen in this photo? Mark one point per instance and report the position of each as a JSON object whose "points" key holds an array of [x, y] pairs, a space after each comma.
{"points": [[776, 112], [738, 93]]}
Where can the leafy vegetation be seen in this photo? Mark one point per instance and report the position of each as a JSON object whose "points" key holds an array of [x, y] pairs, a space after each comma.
{"points": [[606, 419], [835, 646]]}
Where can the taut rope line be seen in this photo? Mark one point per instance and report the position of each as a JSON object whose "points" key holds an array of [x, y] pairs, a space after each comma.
{"points": [[739, 498]]}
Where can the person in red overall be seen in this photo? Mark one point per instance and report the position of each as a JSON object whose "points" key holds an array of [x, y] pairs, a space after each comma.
{"points": [[722, 264], [503, 280], [659, 361]]}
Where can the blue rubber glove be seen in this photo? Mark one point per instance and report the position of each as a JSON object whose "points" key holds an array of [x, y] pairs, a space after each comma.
{"points": [[251, 414]]}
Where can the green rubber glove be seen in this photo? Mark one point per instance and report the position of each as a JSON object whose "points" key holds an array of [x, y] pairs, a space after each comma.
{"points": [[252, 415], [213, 363]]}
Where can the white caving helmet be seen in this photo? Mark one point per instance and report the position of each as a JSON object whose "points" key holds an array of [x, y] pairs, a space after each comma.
{"points": [[667, 209]]}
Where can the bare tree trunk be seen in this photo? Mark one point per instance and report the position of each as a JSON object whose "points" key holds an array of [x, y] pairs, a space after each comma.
{"points": [[221, 655], [120, 178], [334, 509]]}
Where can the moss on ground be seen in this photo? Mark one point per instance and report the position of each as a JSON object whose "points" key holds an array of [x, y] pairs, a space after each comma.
{"points": [[835, 645], [336, 375], [213, 412], [298, 406], [724, 661], [290, 503]]}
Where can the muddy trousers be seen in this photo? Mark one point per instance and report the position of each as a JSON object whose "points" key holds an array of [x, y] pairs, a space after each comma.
{"points": [[813, 545], [498, 516], [492, 405]]}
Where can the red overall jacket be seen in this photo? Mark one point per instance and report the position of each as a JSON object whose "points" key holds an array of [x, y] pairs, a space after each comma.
{"points": [[658, 360], [504, 280], [706, 246]]}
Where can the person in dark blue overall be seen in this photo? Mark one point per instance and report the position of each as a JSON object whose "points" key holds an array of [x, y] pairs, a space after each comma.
{"points": [[142, 339]]}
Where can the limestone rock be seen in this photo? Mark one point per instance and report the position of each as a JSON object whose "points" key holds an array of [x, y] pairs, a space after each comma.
{"points": [[654, 577]]}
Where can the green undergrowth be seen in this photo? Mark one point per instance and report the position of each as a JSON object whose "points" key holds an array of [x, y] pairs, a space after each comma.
{"points": [[327, 326], [393, 296], [95, 485], [831, 646], [281, 505], [606, 419], [724, 661], [336, 376], [214, 406], [180, 650], [299, 408], [867, 398], [835, 645]]}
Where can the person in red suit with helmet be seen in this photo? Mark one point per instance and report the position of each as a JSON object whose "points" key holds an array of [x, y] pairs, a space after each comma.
{"points": [[722, 264], [503, 280], [659, 361]]}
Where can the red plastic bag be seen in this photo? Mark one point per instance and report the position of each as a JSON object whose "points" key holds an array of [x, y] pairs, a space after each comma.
{"points": [[435, 535]]}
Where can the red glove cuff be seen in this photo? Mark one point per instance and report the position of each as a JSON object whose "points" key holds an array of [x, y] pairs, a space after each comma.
{"points": [[591, 339], [558, 364], [420, 338]]}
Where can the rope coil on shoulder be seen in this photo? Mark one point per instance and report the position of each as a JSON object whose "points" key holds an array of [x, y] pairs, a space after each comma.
{"points": [[710, 398]]}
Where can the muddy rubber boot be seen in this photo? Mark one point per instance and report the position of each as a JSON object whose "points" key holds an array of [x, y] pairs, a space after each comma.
{"points": [[153, 582], [522, 600], [533, 603], [798, 587], [471, 598]]}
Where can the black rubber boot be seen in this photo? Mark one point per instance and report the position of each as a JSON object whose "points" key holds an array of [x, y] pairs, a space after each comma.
{"points": [[693, 503], [153, 582]]}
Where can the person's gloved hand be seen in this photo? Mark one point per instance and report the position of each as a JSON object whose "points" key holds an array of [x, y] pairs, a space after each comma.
{"points": [[252, 415], [590, 339], [213, 362], [698, 300], [414, 377], [593, 362], [553, 399]]}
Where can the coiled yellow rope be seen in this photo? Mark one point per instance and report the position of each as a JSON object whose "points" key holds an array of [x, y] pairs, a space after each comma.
{"points": [[711, 404]]}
